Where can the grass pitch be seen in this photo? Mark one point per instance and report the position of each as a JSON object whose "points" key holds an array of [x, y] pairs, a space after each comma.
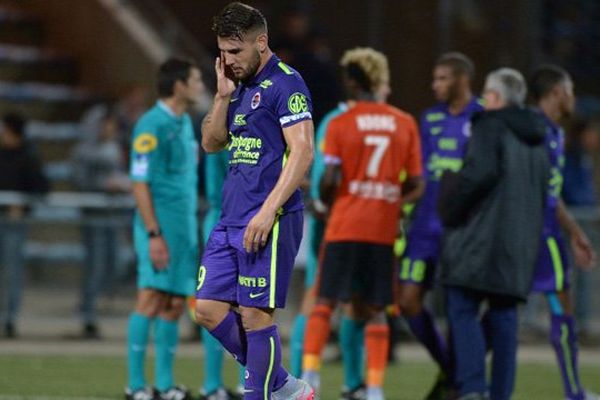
{"points": [[103, 377]]}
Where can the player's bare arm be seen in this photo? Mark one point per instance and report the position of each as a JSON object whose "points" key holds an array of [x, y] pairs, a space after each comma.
{"points": [[214, 125], [412, 189], [299, 140], [332, 176], [159, 252], [583, 251]]}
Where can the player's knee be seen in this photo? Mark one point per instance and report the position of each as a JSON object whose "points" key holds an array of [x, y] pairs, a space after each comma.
{"points": [[255, 318], [410, 305], [150, 304], [176, 307], [377, 316], [205, 315], [358, 310]]}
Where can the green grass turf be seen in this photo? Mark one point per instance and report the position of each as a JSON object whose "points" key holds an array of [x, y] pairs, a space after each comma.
{"points": [[34, 377]]}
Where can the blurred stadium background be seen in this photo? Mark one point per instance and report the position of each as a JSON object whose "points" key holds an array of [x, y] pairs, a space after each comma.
{"points": [[63, 63]]}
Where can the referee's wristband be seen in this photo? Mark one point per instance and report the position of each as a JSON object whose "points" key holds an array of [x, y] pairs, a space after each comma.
{"points": [[154, 233]]}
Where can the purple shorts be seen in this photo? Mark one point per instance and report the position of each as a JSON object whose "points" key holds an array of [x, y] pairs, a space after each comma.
{"points": [[552, 270], [420, 258], [228, 273]]}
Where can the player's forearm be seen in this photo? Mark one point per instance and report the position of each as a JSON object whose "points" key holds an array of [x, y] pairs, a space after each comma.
{"points": [[298, 163], [329, 184], [143, 200], [566, 221], [412, 190], [214, 125]]}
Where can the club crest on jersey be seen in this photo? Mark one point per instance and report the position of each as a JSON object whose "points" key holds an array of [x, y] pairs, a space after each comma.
{"points": [[466, 129], [255, 100]]}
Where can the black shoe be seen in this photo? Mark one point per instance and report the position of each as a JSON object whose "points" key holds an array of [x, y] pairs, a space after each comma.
{"points": [[90, 331], [358, 393], [220, 394], [175, 393], [9, 330], [441, 389], [140, 394]]}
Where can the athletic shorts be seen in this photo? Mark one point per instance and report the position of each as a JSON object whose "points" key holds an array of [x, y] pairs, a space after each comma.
{"points": [[316, 231], [181, 236], [260, 280], [553, 269], [358, 269], [421, 258]]}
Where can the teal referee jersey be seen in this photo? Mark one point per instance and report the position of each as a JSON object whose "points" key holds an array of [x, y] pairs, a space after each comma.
{"points": [[164, 154]]}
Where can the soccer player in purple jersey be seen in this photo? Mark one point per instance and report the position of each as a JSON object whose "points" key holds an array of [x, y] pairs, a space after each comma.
{"points": [[444, 131], [552, 90], [266, 125]]}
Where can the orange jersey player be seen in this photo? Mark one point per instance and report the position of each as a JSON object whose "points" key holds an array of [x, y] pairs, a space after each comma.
{"points": [[372, 144], [367, 149]]}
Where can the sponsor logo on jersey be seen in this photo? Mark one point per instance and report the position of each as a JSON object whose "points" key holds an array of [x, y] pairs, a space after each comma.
{"points": [[239, 119], [297, 103], [251, 281], [448, 144], [436, 130], [266, 83], [438, 164], [389, 192], [244, 149], [145, 143], [435, 116]]}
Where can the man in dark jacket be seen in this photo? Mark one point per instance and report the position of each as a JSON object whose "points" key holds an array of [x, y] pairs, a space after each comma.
{"points": [[20, 171], [493, 211]]}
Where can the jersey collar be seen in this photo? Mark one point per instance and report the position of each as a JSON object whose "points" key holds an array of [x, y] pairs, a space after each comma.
{"points": [[471, 107], [265, 72], [163, 106], [553, 125]]}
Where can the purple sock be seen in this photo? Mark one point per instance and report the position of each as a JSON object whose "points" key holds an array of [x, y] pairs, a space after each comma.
{"points": [[264, 372], [423, 327], [564, 341], [232, 336]]}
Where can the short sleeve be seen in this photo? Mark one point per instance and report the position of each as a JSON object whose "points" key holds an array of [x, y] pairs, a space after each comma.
{"points": [[414, 163], [292, 100], [318, 166], [332, 152], [143, 151]]}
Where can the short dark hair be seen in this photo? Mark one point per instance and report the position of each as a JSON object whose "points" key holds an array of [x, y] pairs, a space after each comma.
{"points": [[356, 73], [544, 79], [368, 67], [458, 62], [15, 122], [237, 19], [170, 72]]}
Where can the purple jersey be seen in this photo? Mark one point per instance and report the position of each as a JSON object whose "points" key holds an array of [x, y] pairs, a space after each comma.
{"points": [[444, 137], [275, 98], [552, 271], [555, 143]]}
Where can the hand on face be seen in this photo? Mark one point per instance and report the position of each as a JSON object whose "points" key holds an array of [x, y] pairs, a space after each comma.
{"points": [[225, 85]]}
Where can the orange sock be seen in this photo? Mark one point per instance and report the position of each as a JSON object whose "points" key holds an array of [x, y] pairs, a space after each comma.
{"points": [[377, 342], [316, 335]]}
